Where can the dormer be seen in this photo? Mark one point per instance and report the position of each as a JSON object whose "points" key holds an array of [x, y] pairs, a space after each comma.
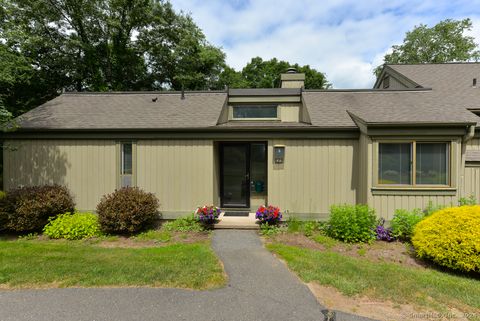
{"points": [[273, 105]]}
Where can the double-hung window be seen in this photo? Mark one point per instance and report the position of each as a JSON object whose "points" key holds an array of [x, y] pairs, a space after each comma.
{"points": [[414, 163]]}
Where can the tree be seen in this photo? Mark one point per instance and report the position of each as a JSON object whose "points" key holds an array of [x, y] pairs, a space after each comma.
{"points": [[100, 45], [266, 74], [444, 42]]}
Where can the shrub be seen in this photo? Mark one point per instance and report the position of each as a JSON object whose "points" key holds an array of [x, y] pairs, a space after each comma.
{"points": [[269, 214], [73, 226], [352, 223], [29, 208], [183, 224], [309, 228], [404, 221], [450, 237], [127, 210], [207, 214], [470, 200], [383, 233], [2, 195]]}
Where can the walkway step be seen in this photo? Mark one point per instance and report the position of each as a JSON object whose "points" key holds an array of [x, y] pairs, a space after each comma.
{"points": [[237, 222]]}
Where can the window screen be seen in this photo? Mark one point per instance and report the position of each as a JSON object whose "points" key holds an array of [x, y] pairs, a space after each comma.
{"points": [[395, 163], [432, 163]]}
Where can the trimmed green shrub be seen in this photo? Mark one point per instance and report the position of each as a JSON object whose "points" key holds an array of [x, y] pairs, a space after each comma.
{"points": [[73, 226], [184, 224], [403, 223], [450, 237], [29, 208], [352, 223], [127, 210]]}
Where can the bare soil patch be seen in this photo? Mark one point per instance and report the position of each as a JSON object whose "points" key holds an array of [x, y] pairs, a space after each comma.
{"points": [[378, 251], [378, 310]]}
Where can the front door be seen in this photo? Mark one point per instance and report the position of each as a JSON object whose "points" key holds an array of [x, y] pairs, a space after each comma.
{"points": [[235, 174]]}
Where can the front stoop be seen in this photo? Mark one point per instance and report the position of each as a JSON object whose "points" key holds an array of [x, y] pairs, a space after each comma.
{"points": [[237, 222]]}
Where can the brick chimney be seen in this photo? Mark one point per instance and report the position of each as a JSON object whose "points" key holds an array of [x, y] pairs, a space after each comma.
{"points": [[292, 79]]}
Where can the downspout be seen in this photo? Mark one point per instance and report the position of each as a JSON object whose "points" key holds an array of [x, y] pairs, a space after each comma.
{"points": [[470, 133], [466, 138]]}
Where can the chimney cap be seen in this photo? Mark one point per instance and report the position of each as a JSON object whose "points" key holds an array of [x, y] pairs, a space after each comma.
{"points": [[291, 70]]}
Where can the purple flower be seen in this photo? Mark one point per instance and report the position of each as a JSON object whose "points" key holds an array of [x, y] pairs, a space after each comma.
{"points": [[384, 234]]}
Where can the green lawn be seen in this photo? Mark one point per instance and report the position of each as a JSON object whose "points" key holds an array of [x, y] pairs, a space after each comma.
{"points": [[38, 263], [385, 281]]}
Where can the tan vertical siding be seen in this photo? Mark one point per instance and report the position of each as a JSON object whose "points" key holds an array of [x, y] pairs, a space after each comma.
{"points": [[315, 175], [180, 172], [471, 175], [86, 167], [289, 113]]}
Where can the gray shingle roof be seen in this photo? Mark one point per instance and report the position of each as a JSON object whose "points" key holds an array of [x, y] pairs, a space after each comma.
{"points": [[126, 111], [447, 102], [332, 108], [451, 82]]}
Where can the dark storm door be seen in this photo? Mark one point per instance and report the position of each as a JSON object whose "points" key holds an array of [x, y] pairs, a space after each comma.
{"points": [[235, 174]]}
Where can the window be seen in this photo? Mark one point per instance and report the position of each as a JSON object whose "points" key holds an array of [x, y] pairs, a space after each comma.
{"points": [[126, 168], [254, 111], [430, 160], [395, 163]]}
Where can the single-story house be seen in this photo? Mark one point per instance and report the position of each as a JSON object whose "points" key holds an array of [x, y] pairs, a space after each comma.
{"points": [[409, 140]]}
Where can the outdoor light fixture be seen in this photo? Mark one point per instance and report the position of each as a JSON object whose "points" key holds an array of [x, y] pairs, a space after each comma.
{"points": [[279, 154]]}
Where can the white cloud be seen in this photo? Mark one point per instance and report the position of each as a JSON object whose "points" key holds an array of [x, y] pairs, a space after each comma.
{"points": [[346, 39]]}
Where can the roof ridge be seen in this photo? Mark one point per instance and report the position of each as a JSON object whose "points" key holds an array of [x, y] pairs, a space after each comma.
{"points": [[369, 90], [435, 63], [143, 92]]}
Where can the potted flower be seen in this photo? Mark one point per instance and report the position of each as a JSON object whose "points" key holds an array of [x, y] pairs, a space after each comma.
{"points": [[207, 214], [268, 214]]}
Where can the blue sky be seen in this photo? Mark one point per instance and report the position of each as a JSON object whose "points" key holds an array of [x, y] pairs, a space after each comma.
{"points": [[345, 39]]}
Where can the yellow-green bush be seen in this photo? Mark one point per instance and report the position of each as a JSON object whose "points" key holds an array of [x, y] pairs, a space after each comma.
{"points": [[450, 237], [73, 226]]}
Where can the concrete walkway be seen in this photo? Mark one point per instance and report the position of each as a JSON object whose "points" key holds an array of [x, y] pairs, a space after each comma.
{"points": [[260, 287]]}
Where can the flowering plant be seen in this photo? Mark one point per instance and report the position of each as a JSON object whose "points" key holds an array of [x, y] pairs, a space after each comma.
{"points": [[383, 233], [207, 214], [268, 214]]}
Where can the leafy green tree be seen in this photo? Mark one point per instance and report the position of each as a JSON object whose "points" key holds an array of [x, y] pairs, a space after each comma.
{"points": [[444, 42], [266, 74], [100, 45]]}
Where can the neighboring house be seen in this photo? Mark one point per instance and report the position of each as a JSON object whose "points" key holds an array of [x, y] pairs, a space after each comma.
{"points": [[408, 141]]}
